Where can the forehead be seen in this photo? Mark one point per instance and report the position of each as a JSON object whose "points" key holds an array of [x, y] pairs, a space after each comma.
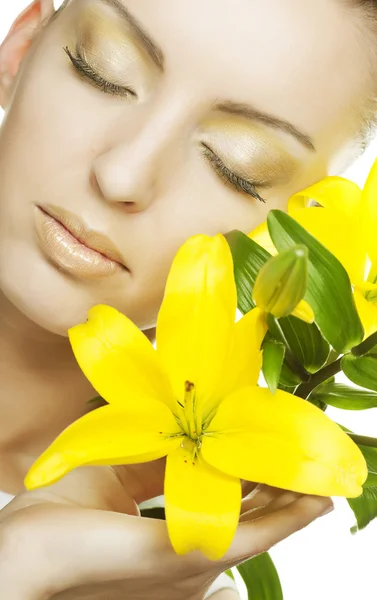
{"points": [[298, 59]]}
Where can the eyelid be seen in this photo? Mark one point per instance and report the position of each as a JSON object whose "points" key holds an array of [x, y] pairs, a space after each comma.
{"points": [[83, 67], [241, 183], [215, 158]]}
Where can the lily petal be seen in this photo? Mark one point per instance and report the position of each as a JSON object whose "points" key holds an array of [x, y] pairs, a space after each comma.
{"points": [[337, 232], [283, 441], [304, 312], [118, 359], [196, 320], [108, 436], [367, 313], [368, 212], [202, 505], [335, 193], [261, 236], [245, 359], [366, 286]]}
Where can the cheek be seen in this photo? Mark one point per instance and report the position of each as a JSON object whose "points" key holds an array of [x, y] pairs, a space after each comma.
{"points": [[201, 203], [46, 140], [60, 118]]}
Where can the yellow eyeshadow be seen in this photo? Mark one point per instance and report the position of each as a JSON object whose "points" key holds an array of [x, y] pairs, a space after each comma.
{"points": [[249, 150], [108, 36]]}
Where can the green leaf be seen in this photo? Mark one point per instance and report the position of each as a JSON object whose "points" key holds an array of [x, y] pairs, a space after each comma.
{"points": [[371, 481], [365, 506], [344, 396], [98, 400], [288, 379], [261, 578], [153, 513], [293, 373], [306, 343], [248, 259], [329, 291], [370, 455], [333, 356], [361, 370], [287, 388], [273, 357]]}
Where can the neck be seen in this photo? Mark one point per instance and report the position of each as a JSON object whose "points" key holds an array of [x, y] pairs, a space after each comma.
{"points": [[42, 391]]}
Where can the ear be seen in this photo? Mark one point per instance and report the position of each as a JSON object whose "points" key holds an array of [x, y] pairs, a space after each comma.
{"points": [[47, 9], [17, 42]]}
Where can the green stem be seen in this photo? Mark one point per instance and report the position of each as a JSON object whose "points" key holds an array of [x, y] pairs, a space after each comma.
{"points": [[365, 346], [290, 358], [322, 375], [363, 440]]}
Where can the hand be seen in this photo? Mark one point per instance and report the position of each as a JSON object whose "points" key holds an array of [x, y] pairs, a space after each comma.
{"points": [[51, 546]]}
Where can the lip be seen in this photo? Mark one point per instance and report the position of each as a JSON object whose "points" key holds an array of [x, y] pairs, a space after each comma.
{"points": [[74, 247]]}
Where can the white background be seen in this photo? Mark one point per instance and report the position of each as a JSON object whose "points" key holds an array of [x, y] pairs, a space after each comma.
{"points": [[324, 561]]}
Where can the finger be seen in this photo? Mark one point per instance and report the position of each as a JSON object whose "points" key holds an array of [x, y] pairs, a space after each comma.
{"points": [[74, 546], [257, 536], [227, 594], [248, 487], [280, 500], [261, 495]]}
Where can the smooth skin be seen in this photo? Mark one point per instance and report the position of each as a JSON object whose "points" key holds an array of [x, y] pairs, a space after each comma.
{"points": [[133, 168]]}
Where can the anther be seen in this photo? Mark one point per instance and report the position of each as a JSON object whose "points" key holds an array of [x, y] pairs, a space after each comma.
{"points": [[188, 386]]}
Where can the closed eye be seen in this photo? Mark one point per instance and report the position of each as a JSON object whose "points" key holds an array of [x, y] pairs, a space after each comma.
{"points": [[82, 66], [240, 184]]}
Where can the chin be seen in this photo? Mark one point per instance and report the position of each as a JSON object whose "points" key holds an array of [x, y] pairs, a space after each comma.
{"points": [[42, 293], [54, 301]]}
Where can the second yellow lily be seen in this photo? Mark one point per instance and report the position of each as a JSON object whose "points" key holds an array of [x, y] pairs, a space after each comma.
{"points": [[346, 224]]}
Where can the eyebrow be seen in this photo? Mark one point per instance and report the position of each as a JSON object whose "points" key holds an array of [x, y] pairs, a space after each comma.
{"points": [[245, 110], [235, 108], [151, 48]]}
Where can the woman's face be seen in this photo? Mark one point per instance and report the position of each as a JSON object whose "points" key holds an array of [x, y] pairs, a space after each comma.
{"points": [[221, 103]]}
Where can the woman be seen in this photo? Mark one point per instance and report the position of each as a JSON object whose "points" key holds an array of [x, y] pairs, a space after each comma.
{"points": [[135, 128]]}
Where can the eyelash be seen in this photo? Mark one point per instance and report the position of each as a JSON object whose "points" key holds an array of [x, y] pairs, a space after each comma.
{"points": [[240, 184], [229, 178], [84, 68]]}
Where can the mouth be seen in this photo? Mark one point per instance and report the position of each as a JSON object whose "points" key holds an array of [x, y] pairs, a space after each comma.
{"points": [[88, 237], [74, 247]]}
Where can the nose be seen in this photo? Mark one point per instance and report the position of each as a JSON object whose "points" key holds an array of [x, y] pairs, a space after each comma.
{"points": [[131, 170]]}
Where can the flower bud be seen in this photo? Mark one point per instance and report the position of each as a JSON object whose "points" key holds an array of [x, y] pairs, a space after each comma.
{"points": [[281, 282]]}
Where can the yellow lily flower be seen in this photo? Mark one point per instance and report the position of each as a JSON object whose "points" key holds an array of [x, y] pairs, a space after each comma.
{"points": [[195, 399], [346, 225]]}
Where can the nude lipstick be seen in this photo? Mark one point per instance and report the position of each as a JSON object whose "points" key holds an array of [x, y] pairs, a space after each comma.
{"points": [[73, 247]]}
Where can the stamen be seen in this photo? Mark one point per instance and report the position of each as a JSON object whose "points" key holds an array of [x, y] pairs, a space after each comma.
{"points": [[194, 454], [188, 391], [174, 436], [189, 399], [209, 419]]}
